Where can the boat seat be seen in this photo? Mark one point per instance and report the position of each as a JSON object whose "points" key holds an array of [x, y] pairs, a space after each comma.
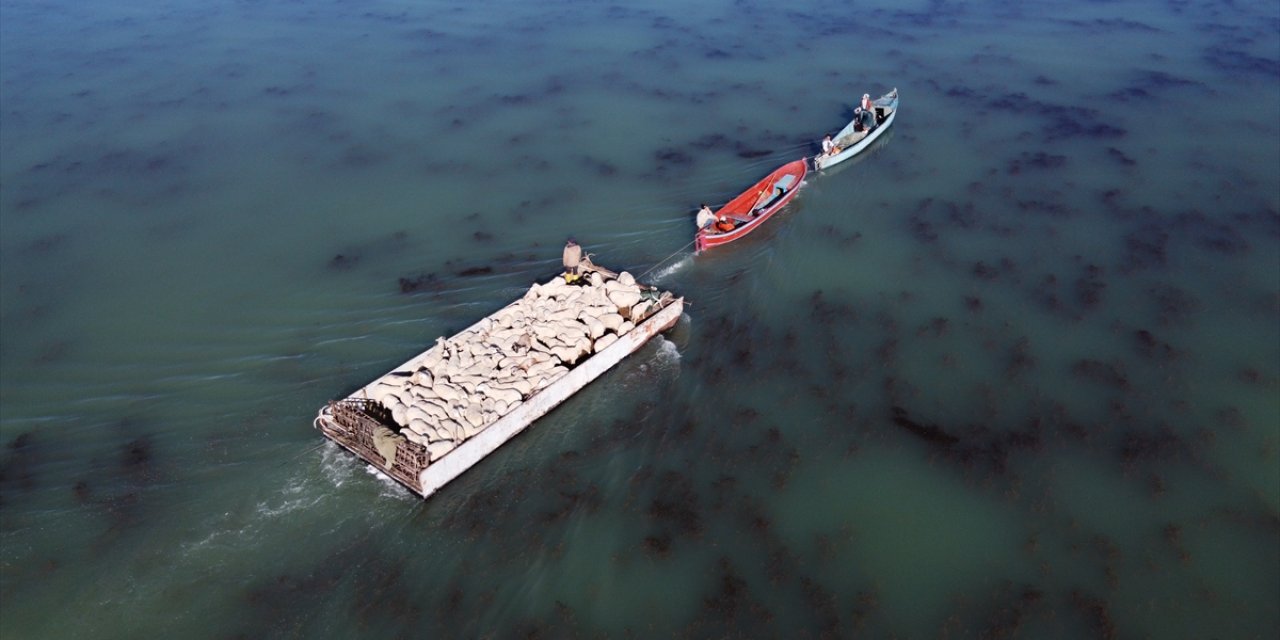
{"points": [[780, 188]]}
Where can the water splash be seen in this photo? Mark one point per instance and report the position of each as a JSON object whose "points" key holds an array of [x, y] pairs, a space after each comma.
{"points": [[672, 269]]}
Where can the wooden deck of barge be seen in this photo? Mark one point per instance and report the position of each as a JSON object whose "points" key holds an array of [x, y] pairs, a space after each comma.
{"points": [[427, 421]]}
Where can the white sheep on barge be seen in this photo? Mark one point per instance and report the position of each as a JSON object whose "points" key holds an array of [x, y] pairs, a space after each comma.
{"points": [[437, 415]]}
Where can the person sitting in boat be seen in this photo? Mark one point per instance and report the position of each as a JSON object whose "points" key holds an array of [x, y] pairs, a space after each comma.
{"points": [[572, 259], [705, 217], [858, 125], [724, 224], [829, 146]]}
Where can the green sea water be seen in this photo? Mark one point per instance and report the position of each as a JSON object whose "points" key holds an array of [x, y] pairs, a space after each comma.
{"points": [[1014, 372]]}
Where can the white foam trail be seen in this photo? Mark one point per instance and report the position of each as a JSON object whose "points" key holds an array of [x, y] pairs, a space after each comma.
{"points": [[667, 271], [668, 354], [664, 362], [389, 487]]}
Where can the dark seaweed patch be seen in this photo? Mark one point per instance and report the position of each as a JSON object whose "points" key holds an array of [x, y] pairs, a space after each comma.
{"points": [[840, 238], [1173, 537], [83, 494], [515, 99], [1101, 25], [474, 517], [1008, 609], [1089, 287], [17, 472], [137, 460], [980, 451], [1130, 94], [47, 244], [936, 328], [930, 433], [475, 271], [1241, 62], [54, 351], [1108, 374], [774, 456], [675, 505], [1209, 234], [379, 593], [570, 493], [1120, 157], [361, 156], [602, 168], [991, 272], [1173, 304], [1145, 247], [1159, 444], [424, 282], [1152, 348], [343, 262], [732, 604], [351, 255], [658, 545], [1162, 80], [1064, 121], [1231, 417], [1096, 614], [1020, 359], [672, 157], [822, 604], [1147, 83], [710, 141], [865, 605], [1037, 160], [1052, 209]]}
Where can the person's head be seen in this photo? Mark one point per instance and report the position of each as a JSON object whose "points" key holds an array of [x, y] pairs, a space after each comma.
{"points": [[571, 242], [865, 96], [828, 137], [704, 205]]}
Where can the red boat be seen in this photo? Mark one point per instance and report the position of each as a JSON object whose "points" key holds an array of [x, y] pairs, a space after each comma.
{"points": [[753, 206]]}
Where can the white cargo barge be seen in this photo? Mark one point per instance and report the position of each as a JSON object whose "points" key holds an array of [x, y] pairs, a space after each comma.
{"points": [[437, 415]]}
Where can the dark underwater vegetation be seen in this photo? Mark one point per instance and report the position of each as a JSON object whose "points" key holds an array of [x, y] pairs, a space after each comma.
{"points": [[1012, 373]]}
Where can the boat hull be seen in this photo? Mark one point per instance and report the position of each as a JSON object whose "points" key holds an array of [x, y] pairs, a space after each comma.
{"points": [[747, 210]]}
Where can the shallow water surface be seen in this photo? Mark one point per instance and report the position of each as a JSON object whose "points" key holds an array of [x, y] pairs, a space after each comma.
{"points": [[1014, 372]]}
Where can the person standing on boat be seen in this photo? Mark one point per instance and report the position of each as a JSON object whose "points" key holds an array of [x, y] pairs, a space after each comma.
{"points": [[572, 258], [869, 120], [705, 217]]}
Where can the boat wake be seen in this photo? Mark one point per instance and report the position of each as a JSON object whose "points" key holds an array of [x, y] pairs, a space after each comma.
{"points": [[672, 269], [337, 466], [668, 355]]}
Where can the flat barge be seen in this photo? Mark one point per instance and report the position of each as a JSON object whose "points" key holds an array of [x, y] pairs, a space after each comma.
{"points": [[430, 419]]}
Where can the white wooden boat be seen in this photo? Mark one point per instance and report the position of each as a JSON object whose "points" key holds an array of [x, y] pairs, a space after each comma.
{"points": [[853, 139]]}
